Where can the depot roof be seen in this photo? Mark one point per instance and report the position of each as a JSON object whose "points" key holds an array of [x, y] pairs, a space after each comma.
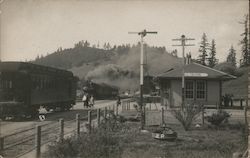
{"points": [[195, 70]]}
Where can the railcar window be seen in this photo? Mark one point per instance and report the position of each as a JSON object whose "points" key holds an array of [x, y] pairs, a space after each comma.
{"points": [[2, 84], [7, 84], [42, 83], [33, 82], [10, 84], [38, 83]]}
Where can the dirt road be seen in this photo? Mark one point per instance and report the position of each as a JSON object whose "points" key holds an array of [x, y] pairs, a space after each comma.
{"points": [[9, 127]]}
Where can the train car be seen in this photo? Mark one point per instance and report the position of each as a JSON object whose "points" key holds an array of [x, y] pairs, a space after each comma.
{"points": [[105, 91], [24, 87], [102, 90]]}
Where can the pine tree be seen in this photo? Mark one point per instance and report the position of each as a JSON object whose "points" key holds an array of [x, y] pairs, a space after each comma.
{"points": [[105, 46], [174, 53], [204, 46], [212, 61], [231, 58], [86, 44], [108, 47], [98, 45], [245, 61]]}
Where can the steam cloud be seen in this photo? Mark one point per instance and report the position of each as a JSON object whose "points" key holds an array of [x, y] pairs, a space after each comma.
{"points": [[157, 61], [125, 72], [114, 75]]}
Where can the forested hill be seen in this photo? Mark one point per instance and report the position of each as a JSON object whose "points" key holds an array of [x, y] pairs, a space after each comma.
{"points": [[73, 57], [237, 87], [117, 65]]}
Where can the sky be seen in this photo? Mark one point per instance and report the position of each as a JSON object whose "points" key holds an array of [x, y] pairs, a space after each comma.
{"points": [[34, 27]]}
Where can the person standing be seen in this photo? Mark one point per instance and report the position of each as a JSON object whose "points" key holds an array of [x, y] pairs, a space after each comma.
{"points": [[118, 101], [91, 101], [85, 100]]}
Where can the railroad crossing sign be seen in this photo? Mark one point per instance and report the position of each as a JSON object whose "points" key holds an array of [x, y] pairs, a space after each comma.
{"points": [[42, 117]]}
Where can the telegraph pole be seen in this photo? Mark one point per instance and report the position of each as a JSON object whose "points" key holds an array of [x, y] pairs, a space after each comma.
{"points": [[142, 34], [183, 40], [248, 88]]}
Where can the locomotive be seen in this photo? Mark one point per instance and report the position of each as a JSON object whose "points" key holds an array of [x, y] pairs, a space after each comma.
{"points": [[24, 87], [101, 90]]}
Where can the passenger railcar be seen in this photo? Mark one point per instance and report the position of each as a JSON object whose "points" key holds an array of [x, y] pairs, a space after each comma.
{"points": [[24, 87]]}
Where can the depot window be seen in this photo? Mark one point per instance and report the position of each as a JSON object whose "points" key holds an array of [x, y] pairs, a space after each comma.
{"points": [[195, 89], [189, 89], [200, 89]]}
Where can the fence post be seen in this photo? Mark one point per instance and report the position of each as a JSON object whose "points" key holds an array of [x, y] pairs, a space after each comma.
{"points": [[202, 114], [61, 123], [1, 144], [98, 116], [117, 107], [77, 125], [114, 108], [105, 113], [89, 122], [38, 141], [162, 116], [144, 115]]}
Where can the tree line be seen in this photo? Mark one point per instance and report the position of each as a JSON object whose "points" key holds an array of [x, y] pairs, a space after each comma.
{"points": [[207, 51]]}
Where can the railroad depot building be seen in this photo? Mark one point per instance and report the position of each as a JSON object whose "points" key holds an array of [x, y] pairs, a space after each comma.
{"points": [[203, 85]]}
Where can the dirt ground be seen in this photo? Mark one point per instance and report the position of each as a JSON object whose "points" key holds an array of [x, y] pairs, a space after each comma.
{"points": [[203, 142]]}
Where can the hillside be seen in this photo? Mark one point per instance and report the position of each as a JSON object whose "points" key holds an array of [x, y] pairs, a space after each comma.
{"points": [[118, 66], [74, 57], [237, 87]]}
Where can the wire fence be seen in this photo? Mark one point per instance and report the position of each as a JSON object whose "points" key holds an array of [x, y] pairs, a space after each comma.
{"points": [[156, 114]]}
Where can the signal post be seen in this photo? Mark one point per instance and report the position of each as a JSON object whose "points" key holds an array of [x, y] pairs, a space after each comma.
{"points": [[142, 109]]}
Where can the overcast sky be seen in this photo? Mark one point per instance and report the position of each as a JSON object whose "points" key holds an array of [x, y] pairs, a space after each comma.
{"points": [[32, 27]]}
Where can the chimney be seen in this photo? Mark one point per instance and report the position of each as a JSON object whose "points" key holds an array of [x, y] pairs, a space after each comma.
{"points": [[188, 59]]}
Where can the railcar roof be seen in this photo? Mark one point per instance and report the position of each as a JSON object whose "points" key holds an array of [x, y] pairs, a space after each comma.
{"points": [[30, 67]]}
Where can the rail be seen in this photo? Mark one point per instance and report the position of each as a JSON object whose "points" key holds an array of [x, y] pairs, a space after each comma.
{"points": [[24, 141]]}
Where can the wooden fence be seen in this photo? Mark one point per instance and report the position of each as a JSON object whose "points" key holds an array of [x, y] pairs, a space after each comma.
{"points": [[33, 138]]}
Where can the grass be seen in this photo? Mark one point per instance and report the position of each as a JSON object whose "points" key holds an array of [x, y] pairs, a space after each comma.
{"points": [[202, 143], [115, 139]]}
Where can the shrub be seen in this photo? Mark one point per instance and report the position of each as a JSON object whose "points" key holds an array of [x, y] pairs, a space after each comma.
{"points": [[102, 142], [187, 114], [218, 117]]}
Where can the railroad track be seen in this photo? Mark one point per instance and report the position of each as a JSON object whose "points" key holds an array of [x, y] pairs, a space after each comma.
{"points": [[22, 142]]}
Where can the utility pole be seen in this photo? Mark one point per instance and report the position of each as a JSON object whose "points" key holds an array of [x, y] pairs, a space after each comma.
{"points": [[142, 34], [183, 40], [248, 88]]}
